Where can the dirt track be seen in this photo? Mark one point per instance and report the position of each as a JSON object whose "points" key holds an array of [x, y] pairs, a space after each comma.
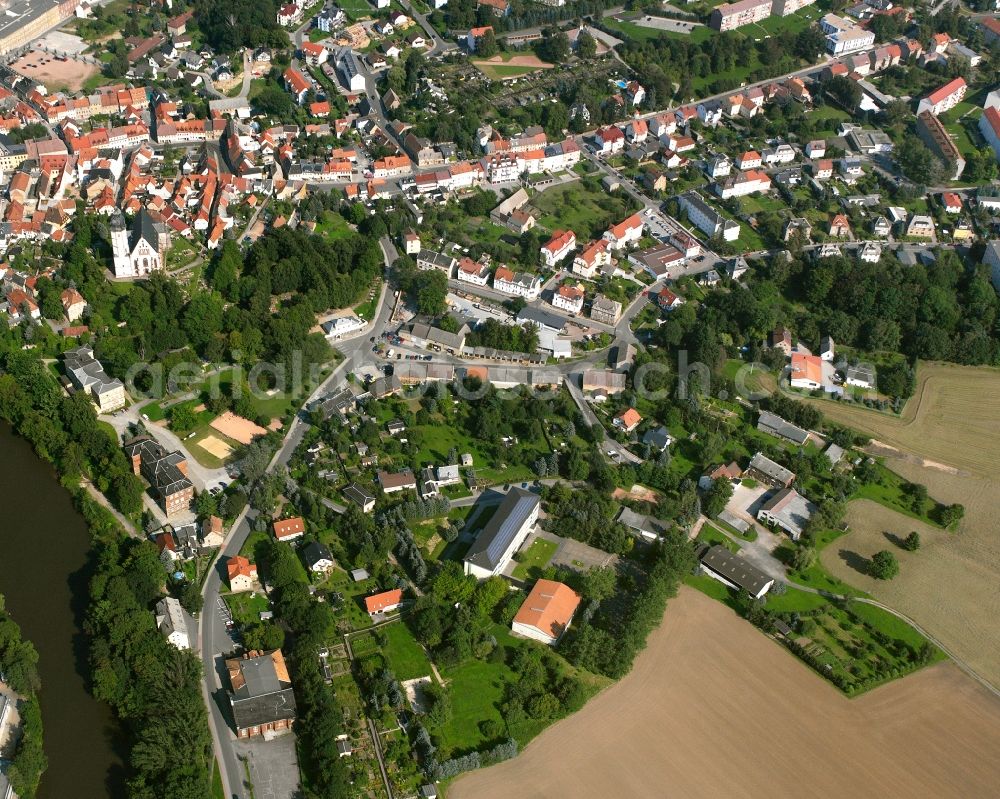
{"points": [[714, 708]]}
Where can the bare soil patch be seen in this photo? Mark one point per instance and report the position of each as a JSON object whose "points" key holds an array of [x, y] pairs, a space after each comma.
{"points": [[68, 75], [715, 708]]}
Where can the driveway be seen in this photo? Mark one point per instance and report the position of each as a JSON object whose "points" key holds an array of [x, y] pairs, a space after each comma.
{"points": [[274, 769], [745, 502]]}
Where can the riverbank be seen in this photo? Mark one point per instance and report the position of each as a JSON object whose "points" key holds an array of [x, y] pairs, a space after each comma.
{"points": [[713, 707], [44, 544]]}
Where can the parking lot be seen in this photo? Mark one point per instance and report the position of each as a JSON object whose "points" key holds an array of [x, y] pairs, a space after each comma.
{"points": [[274, 769]]}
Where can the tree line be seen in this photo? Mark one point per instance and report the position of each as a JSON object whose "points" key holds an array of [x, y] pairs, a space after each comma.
{"points": [[19, 667]]}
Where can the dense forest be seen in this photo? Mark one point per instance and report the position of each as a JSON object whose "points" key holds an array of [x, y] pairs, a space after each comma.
{"points": [[229, 25], [19, 667]]}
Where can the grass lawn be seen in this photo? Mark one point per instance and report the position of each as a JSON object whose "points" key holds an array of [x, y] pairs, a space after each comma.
{"points": [[891, 625], [711, 534], [535, 558], [889, 491], [501, 71], [793, 23], [641, 33], [218, 791], [246, 607], [404, 655], [333, 226], [356, 9], [476, 688], [253, 548], [584, 209], [181, 252], [367, 309]]}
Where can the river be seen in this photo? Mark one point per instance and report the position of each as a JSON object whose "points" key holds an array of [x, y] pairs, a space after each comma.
{"points": [[43, 575]]}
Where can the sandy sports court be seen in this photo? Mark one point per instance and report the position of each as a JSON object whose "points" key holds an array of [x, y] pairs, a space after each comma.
{"points": [[501, 67], [216, 446], [56, 74], [237, 428], [715, 708]]}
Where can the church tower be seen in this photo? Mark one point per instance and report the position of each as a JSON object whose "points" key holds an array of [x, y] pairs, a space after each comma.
{"points": [[119, 246]]}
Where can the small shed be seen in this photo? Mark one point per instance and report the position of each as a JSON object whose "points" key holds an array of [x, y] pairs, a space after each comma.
{"points": [[359, 575]]}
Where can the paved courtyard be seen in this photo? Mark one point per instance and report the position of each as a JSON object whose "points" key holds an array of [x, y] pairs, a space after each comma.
{"points": [[274, 769]]}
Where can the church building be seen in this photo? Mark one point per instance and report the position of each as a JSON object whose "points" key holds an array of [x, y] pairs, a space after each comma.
{"points": [[141, 252]]}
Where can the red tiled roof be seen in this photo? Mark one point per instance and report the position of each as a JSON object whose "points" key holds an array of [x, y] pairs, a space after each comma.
{"points": [[287, 528], [387, 599]]}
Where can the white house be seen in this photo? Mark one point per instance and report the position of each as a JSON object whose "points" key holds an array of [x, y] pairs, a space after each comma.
{"points": [[568, 298], [519, 284], [558, 247], [624, 233], [342, 326], [170, 621]]}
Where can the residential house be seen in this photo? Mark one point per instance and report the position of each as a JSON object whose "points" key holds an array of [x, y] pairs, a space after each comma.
{"points": [[391, 482], [806, 371], [384, 602], [607, 311], [624, 233], [609, 140], [592, 258], [729, 16], [944, 98], [166, 473], [627, 420], [860, 376], [568, 298], [87, 374], [774, 425], [318, 558], [781, 337], [706, 218], [870, 252], [213, 533], [920, 226], [816, 149], [751, 159], [840, 226], [658, 438], [558, 247], [361, 497], [171, 623], [520, 284], [826, 348], [73, 304], [241, 574], [470, 271], [289, 529]]}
